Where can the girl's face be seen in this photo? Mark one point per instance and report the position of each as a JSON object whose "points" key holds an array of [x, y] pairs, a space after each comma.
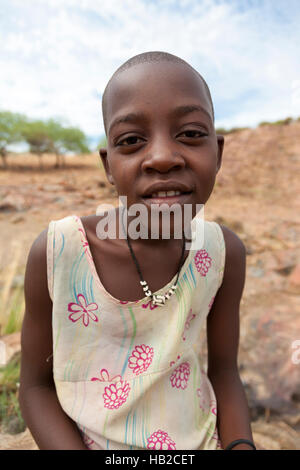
{"points": [[160, 136]]}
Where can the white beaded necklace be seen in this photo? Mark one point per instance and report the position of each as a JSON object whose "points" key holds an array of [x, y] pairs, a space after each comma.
{"points": [[157, 300]]}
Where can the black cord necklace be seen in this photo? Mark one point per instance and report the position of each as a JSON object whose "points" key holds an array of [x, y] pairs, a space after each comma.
{"points": [[157, 300]]}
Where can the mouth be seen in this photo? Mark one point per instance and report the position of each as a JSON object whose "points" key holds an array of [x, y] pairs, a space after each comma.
{"points": [[167, 196], [168, 192], [165, 190]]}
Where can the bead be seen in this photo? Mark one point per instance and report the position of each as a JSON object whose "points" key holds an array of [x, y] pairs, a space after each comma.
{"points": [[148, 294], [159, 299], [162, 297], [143, 283]]}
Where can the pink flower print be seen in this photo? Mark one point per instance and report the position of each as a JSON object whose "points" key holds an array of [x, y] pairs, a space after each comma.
{"points": [[104, 377], [116, 394], [160, 440], [140, 359], [187, 324], [84, 241], [149, 304], [203, 403], [87, 440], [210, 303], [202, 262], [82, 310], [216, 437], [213, 407], [174, 362], [180, 376]]}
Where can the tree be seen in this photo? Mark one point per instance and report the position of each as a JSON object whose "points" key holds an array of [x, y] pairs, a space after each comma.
{"points": [[52, 137], [11, 127], [36, 134], [66, 139]]}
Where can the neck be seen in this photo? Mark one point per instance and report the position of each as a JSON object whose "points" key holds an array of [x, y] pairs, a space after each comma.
{"points": [[141, 236]]}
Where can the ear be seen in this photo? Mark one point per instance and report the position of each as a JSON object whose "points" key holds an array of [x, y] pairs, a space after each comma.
{"points": [[220, 143], [103, 156]]}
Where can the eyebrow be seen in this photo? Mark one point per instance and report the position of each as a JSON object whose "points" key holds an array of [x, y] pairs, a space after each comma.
{"points": [[178, 112]]}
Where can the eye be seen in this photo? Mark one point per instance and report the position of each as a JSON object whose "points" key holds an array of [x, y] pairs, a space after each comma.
{"points": [[192, 133], [131, 140]]}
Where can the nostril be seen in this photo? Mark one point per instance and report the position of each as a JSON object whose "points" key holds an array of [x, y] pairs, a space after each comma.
{"points": [[163, 162], [177, 167]]}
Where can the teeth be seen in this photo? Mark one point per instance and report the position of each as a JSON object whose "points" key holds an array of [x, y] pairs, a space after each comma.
{"points": [[166, 194]]}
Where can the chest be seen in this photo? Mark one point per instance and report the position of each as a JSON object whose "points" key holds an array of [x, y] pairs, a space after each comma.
{"points": [[118, 273]]}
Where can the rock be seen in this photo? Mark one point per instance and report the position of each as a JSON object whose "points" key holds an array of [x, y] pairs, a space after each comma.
{"points": [[284, 231], [35, 210], [12, 203], [286, 260], [257, 270], [293, 281], [17, 219], [249, 250], [14, 426], [270, 244], [22, 441], [220, 220], [12, 344], [59, 200], [51, 188], [276, 435], [89, 195]]}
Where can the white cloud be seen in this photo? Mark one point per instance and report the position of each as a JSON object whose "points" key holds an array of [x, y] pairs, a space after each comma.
{"points": [[56, 57]]}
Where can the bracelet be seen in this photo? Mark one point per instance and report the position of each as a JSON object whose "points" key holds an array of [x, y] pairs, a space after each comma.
{"points": [[240, 441]]}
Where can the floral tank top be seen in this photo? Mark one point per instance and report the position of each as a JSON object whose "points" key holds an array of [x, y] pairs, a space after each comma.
{"points": [[130, 374]]}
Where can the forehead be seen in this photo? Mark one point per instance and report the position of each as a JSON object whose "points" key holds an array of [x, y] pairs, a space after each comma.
{"points": [[157, 87]]}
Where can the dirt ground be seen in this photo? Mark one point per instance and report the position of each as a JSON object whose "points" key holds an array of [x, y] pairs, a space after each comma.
{"points": [[257, 196]]}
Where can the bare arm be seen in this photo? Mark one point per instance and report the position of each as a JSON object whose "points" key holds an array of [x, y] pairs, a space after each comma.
{"points": [[223, 341], [51, 428]]}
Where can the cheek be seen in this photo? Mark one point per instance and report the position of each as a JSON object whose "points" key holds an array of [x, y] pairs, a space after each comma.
{"points": [[205, 167], [205, 162], [124, 176]]}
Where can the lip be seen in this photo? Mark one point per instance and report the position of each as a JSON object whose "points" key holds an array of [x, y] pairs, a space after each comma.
{"points": [[166, 186], [169, 200]]}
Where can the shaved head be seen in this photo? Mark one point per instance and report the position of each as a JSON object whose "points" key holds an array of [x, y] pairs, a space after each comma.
{"points": [[146, 58]]}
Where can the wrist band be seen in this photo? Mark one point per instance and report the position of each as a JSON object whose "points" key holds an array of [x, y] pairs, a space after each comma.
{"points": [[240, 441]]}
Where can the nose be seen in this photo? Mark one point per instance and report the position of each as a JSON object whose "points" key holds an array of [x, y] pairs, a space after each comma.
{"points": [[163, 157]]}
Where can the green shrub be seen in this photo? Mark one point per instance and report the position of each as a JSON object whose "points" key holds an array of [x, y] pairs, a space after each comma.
{"points": [[11, 420]]}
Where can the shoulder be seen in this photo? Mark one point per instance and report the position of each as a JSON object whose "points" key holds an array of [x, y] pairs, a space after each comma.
{"points": [[35, 282], [39, 246], [233, 244], [235, 257], [90, 222]]}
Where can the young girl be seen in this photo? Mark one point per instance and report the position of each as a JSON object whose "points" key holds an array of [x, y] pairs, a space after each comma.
{"points": [[111, 353]]}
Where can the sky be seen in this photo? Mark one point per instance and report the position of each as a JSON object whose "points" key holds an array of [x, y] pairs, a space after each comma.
{"points": [[56, 56]]}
